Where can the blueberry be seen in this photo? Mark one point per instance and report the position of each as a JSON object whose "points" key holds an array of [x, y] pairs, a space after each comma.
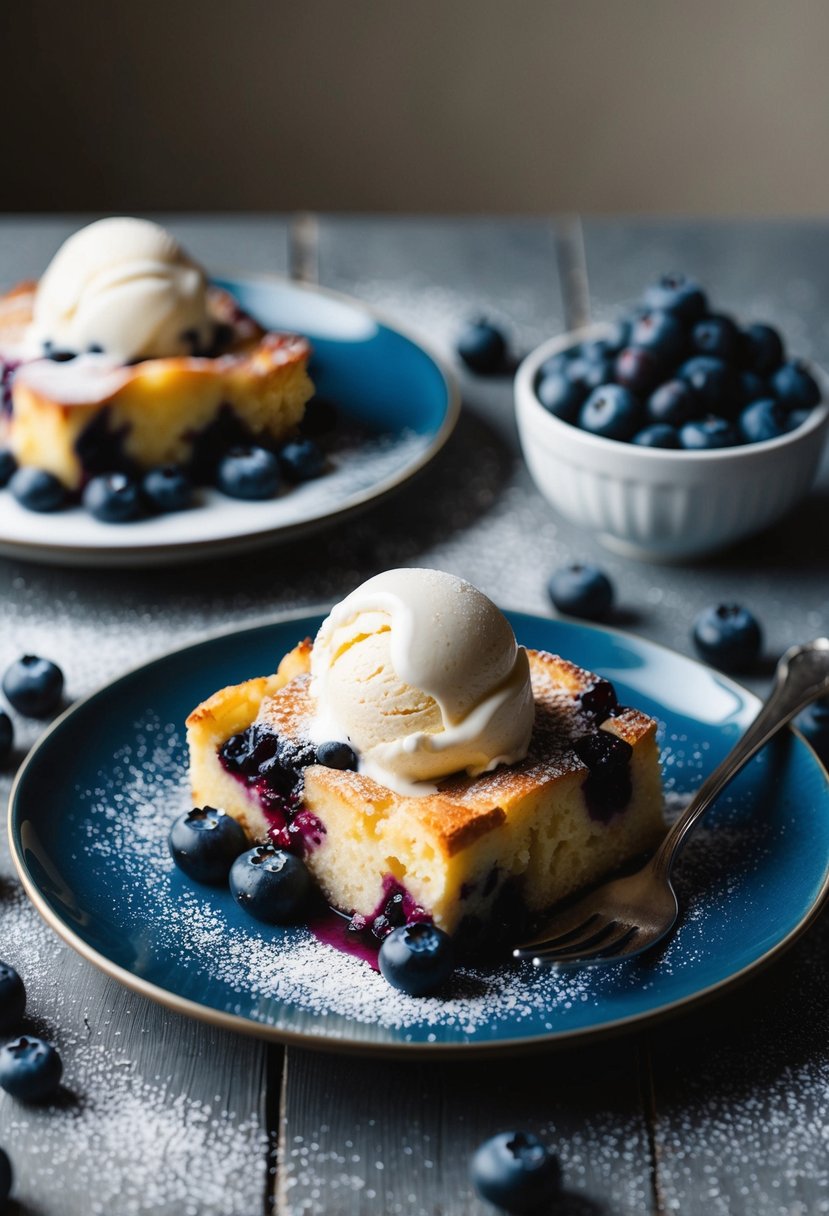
{"points": [[796, 418], [717, 336], [556, 365], [763, 420], [637, 370], [6, 1178], [706, 434], [271, 885], [167, 489], [33, 686], [205, 842], [320, 417], [660, 332], [336, 755], [249, 472], [762, 349], [586, 374], [728, 636], [561, 396], [618, 336], [30, 1069], [581, 590], [611, 411], [301, 460], [752, 387], [795, 386], [677, 294], [113, 498], [12, 998], [658, 435], [38, 490], [814, 724], [674, 402], [6, 737], [8, 465], [482, 347], [714, 383], [516, 1172], [603, 753], [417, 958]]}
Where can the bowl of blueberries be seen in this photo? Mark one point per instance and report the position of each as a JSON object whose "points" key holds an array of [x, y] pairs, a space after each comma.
{"points": [[675, 431]]}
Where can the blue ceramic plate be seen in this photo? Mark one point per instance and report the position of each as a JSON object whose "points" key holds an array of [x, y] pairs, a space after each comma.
{"points": [[91, 807], [397, 406]]}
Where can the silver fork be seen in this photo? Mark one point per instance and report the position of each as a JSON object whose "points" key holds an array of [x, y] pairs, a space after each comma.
{"points": [[629, 915]]}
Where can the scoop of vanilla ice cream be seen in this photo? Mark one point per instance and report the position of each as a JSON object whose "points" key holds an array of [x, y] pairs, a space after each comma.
{"points": [[421, 673], [124, 287]]}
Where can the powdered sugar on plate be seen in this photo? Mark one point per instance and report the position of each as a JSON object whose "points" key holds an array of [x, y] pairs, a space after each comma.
{"points": [[269, 975]]}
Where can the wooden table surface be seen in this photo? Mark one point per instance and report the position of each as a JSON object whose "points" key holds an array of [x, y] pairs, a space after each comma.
{"points": [[725, 1110]]}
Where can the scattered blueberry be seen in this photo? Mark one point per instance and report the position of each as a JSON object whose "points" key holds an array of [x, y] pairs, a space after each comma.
{"points": [[249, 472], [167, 489], [38, 490], [612, 412], [113, 498], [582, 590], [713, 382], [336, 755], [12, 998], [763, 420], [320, 417], [674, 402], [8, 465], [6, 736], [705, 434], [33, 686], [417, 958], [516, 1172], [637, 370], [204, 843], [728, 636], [270, 884], [30, 1069], [301, 460], [675, 293], [561, 396], [482, 347], [762, 349], [6, 1178], [660, 332], [658, 435], [717, 336], [814, 724], [795, 386]]}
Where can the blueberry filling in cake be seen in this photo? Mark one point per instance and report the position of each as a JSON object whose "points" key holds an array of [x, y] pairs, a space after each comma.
{"points": [[485, 782]]}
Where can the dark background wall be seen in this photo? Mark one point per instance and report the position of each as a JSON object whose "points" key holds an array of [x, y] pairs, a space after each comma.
{"points": [[443, 105]]}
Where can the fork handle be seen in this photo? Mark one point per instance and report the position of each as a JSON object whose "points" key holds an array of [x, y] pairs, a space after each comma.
{"points": [[801, 677]]}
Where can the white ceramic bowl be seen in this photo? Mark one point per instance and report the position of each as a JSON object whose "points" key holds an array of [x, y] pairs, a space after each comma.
{"points": [[656, 503]]}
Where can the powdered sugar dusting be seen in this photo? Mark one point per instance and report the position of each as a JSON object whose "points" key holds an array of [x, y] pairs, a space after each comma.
{"points": [[270, 975]]}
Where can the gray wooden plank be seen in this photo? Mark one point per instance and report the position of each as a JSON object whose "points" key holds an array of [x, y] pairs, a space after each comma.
{"points": [[741, 1101], [161, 1114], [360, 1137]]}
